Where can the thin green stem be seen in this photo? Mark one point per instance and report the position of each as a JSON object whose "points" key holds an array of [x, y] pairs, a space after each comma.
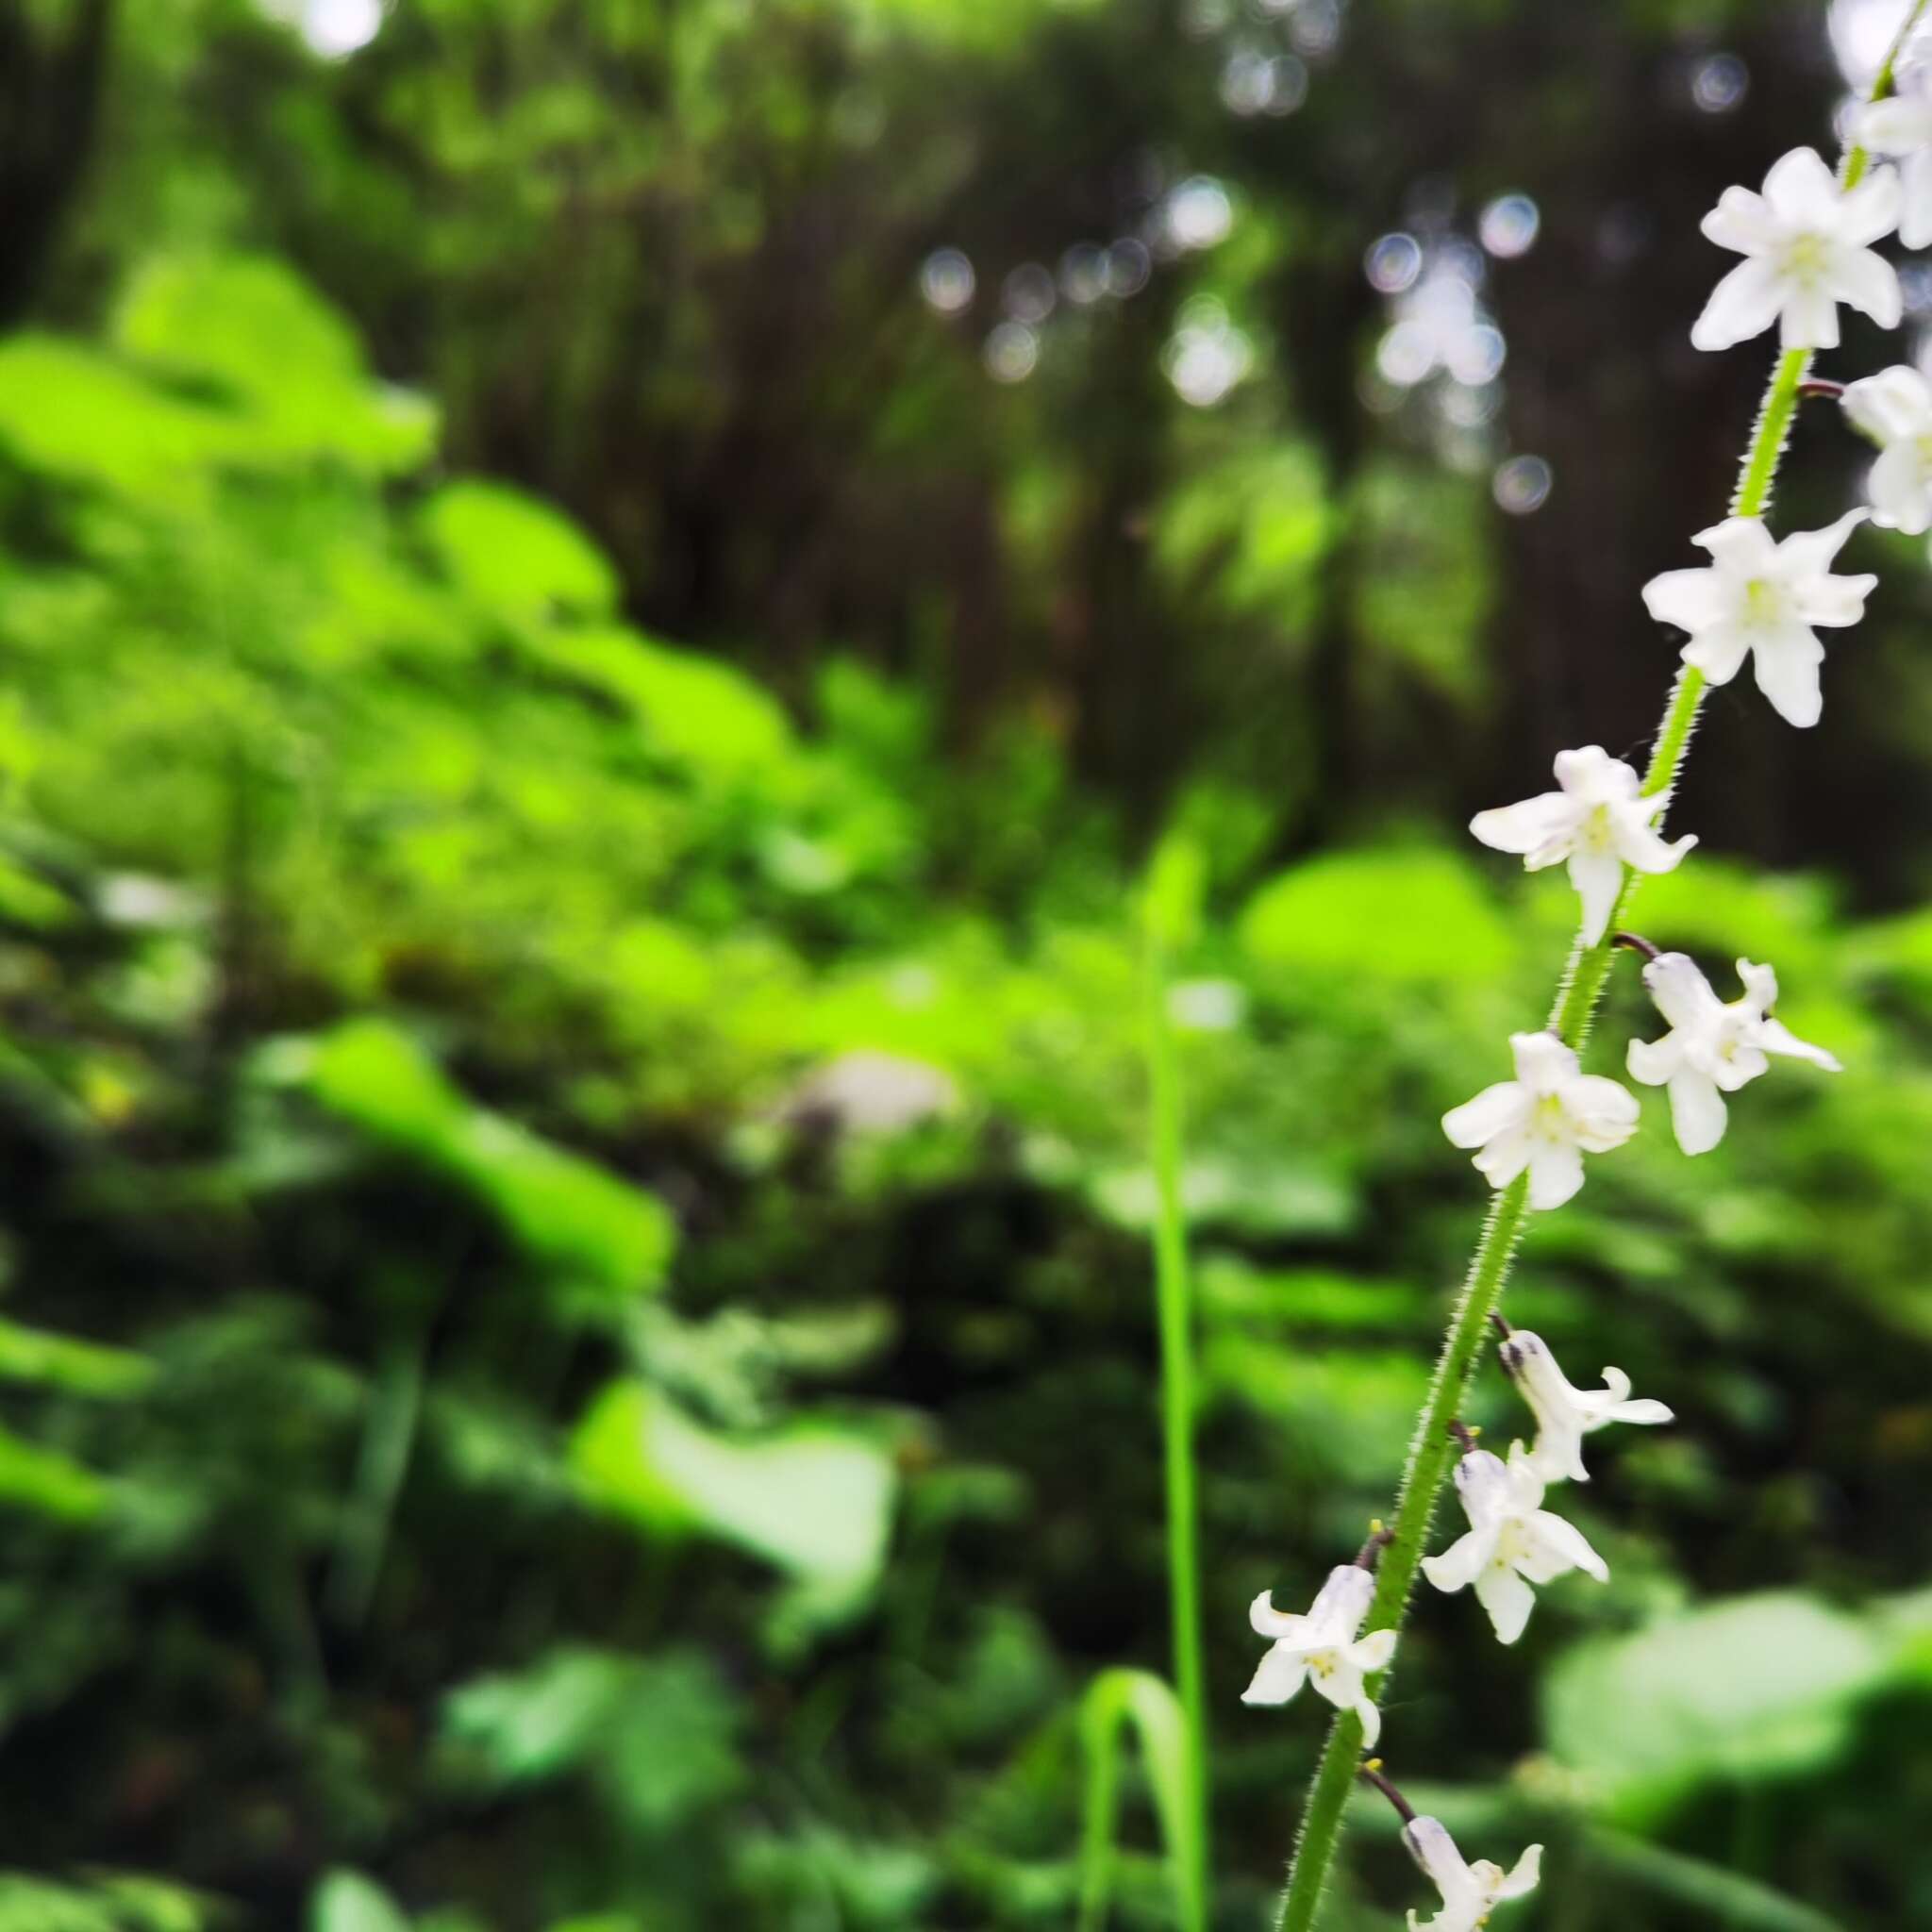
{"points": [[1577, 1002], [1176, 1303]]}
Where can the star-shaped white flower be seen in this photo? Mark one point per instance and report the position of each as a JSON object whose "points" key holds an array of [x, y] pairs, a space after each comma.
{"points": [[1760, 598], [1712, 1049], [1564, 1415], [1324, 1646], [1902, 126], [1806, 244], [1598, 821], [1512, 1540], [1470, 1892], [1894, 410], [1545, 1120]]}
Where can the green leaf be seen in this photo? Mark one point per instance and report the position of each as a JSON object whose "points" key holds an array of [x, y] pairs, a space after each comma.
{"points": [[61, 1361], [695, 711], [278, 352], [346, 1900], [516, 553], [606, 1714], [814, 1501], [1720, 1896], [1761, 1686], [1115, 1699], [1400, 915], [46, 1482], [573, 1217]]}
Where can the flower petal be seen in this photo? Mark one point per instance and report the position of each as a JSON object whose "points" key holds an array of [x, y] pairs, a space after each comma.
{"points": [[1799, 188], [1893, 126], [1773, 1036], [1692, 600], [1370, 1718], [1786, 666], [1432, 1848], [1555, 1174], [1281, 1673], [1495, 1111], [1504, 1158], [1697, 1110], [1915, 199], [1653, 1061], [1744, 304], [1598, 878], [1810, 553], [1372, 1652], [1522, 1875], [1463, 1562], [1264, 1620], [1544, 1063], [1743, 221], [1897, 401], [1552, 1546], [1900, 490], [1641, 1409], [1507, 1599], [1868, 212], [1604, 1113], [1546, 818], [1342, 1602], [1719, 652], [1808, 319]]}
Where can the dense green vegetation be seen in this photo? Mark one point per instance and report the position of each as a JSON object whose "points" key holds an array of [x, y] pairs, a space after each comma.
{"points": [[575, 789]]}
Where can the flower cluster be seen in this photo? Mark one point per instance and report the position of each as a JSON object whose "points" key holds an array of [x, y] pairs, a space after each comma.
{"points": [[1807, 242]]}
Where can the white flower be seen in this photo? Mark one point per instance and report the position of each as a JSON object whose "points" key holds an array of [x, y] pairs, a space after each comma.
{"points": [[1894, 410], [1760, 598], [1323, 1645], [1806, 244], [1512, 1541], [1902, 126], [1599, 821], [1470, 1892], [1712, 1049], [1565, 1415], [1545, 1120]]}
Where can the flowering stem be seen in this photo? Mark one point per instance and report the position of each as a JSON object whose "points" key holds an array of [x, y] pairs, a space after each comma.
{"points": [[1175, 1301], [1577, 1002]]}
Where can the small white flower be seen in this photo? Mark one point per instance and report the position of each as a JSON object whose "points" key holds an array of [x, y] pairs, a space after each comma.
{"points": [[1512, 1541], [1545, 1120], [1324, 1645], [1470, 1892], [1760, 598], [1806, 244], [1565, 1415], [1598, 821], [1902, 126], [1712, 1049], [1894, 410]]}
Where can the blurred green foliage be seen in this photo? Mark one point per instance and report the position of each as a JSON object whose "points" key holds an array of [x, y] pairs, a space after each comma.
{"points": [[579, 1343]]}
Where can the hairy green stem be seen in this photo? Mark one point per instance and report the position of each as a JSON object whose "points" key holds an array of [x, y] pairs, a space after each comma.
{"points": [[1582, 987], [1176, 1303]]}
